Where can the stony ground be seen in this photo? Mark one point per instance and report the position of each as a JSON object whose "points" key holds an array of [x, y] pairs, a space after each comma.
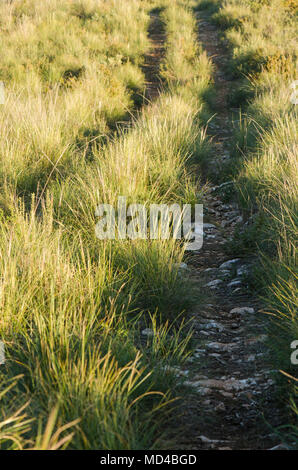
{"points": [[232, 400]]}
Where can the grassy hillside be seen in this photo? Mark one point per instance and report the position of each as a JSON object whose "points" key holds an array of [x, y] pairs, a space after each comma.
{"points": [[92, 327], [71, 72], [78, 371]]}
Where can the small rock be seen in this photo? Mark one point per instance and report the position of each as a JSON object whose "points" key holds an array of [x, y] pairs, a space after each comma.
{"points": [[200, 351], [178, 372], [242, 271], [227, 183], [226, 394], [226, 385], [214, 284], [182, 266], [279, 447], [234, 283], [231, 215], [210, 270], [204, 333], [220, 407], [225, 273], [242, 310], [206, 440], [206, 402], [221, 346], [213, 325], [236, 290], [251, 358], [148, 332], [230, 264]]}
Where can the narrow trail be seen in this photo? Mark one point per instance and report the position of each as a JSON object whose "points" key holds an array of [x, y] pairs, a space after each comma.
{"points": [[153, 59], [233, 395]]}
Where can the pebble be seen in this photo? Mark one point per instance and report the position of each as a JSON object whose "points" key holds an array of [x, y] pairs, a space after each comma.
{"points": [[234, 283], [221, 346], [182, 266], [213, 325], [220, 407], [251, 358], [210, 270], [148, 332], [206, 440], [279, 447], [242, 271], [242, 310], [230, 264], [225, 273], [226, 385], [214, 284]]}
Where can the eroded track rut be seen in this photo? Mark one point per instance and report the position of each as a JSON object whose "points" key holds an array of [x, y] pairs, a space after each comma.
{"points": [[154, 57], [232, 404]]}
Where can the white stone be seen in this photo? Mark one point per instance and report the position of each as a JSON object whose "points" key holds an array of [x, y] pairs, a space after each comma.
{"points": [[234, 283], [183, 266], [213, 325], [243, 310], [214, 283], [279, 447], [148, 332], [243, 270], [230, 264]]}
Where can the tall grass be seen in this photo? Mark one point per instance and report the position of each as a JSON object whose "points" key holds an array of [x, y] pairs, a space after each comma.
{"points": [[78, 372], [71, 71]]}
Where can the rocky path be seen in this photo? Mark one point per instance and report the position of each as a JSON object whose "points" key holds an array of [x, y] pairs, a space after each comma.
{"points": [[231, 393], [152, 60], [232, 397]]}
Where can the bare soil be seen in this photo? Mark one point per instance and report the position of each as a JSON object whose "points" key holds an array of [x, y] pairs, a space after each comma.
{"points": [[231, 396], [233, 401], [154, 57]]}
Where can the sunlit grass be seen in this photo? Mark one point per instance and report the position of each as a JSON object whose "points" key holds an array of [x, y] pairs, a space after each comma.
{"points": [[78, 373]]}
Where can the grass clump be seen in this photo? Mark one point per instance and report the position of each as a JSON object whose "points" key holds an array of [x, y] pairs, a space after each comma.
{"points": [[69, 79]]}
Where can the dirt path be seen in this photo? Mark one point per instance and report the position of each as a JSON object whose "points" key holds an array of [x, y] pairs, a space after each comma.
{"points": [[232, 389], [152, 60]]}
